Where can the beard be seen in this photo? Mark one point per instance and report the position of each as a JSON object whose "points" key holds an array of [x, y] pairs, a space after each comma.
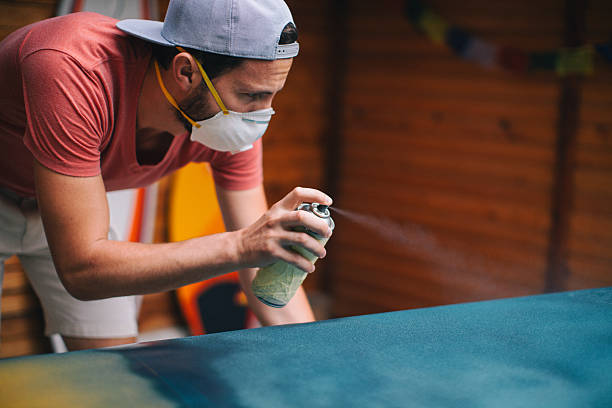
{"points": [[195, 106]]}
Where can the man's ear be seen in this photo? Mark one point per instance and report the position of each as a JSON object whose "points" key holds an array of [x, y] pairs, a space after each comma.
{"points": [[183, 71]]}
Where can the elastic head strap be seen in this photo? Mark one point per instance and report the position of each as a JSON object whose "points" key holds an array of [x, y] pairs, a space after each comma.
{"points": [[170, 98], [209, 84]]}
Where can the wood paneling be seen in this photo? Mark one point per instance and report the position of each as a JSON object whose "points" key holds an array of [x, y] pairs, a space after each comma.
{"points": [[22, 329], [16, 14], [590, 237], [462, 158]]}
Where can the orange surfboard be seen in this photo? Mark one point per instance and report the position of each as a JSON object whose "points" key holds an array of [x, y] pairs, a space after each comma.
{"points": [[216, 304]]}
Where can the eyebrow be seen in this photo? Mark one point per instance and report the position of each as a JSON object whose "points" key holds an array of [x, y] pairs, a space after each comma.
{"points": [[255, 91], [245, 88], [261, 92]]}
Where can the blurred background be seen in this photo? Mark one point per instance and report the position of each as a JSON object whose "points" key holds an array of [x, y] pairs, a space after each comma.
{"points": [[467, 146]]}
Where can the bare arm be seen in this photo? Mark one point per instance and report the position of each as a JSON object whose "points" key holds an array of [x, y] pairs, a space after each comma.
{"points": [[243, 208], [75, 216]]}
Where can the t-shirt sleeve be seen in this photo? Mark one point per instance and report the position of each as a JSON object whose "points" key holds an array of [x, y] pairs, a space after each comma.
{"points": [[66, 113], [240, 171]]}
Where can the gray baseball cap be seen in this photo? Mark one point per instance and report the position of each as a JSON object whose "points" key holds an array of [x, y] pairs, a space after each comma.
{"points": [[238, 28]]}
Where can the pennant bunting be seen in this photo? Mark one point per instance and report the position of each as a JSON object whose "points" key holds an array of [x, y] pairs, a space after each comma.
{"points": [[575, 61], [481, 52], [543, 60], [434, 26], [414, 10], [564, 61], [457, 40], [605, 50], [513, 59]]}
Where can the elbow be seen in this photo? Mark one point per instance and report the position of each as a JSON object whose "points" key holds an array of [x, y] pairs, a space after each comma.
{"points": [[82, 272], [79, 285], [83, 295], [76, 287]]}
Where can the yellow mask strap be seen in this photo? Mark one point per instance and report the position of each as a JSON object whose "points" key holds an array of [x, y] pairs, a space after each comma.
{"points": [[209, 84], [170, 98]]}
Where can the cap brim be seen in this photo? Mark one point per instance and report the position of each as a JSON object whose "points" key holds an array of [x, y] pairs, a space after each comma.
{"points": [[144, 29]]}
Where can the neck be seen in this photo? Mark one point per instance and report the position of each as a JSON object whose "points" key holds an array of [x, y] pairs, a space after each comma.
{"points": [[154, 111]]}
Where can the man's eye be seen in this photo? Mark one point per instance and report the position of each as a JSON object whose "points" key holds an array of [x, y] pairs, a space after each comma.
{"points": [[253, 95]]}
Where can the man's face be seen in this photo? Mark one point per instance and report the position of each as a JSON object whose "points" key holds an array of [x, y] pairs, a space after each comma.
{"points": [[249, 87]]}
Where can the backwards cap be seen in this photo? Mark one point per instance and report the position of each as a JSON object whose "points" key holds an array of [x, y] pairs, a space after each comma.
{"points": [[238, 28]]}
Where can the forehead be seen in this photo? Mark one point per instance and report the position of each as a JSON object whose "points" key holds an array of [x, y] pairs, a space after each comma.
{"points": [[260, 74]]}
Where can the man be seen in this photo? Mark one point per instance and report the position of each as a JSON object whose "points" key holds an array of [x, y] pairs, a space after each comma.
{"points": [[90, 105]]}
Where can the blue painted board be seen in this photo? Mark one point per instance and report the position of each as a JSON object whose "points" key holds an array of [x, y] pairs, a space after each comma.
{"points": [[540, 351]]}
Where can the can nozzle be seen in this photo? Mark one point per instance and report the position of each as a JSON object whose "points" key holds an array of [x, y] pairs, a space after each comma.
{"points": [[320, 210]]}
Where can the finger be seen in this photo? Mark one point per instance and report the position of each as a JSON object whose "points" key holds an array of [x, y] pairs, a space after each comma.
{"points": [[301, 195], [304, 241], [308, 220], [296, 260]]}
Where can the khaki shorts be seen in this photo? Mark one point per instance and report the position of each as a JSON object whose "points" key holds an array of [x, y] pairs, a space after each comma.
{"points": [[21, 234]]}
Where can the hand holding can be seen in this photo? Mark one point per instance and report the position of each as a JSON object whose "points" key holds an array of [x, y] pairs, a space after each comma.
{"points": [[277, 283]]}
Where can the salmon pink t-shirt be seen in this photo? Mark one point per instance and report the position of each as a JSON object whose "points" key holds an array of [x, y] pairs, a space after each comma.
{"points": [[70, 89]]}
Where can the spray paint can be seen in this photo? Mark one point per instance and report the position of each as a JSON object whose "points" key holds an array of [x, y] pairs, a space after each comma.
{"points": [[276, 284]]}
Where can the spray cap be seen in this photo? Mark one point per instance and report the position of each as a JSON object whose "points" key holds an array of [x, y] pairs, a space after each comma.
{"points": [[320, 210]]}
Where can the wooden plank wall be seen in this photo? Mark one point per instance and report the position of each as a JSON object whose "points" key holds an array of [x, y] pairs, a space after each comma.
{"points": [[22, 319], [17, 13], [590, 239], [459, 160]]}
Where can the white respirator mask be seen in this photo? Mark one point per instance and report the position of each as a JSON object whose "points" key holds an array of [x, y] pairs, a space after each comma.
{"points": [[232, 131], [227, 131]]}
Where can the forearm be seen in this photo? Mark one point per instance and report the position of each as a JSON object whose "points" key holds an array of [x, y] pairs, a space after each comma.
{"points": [[241, 209], [111, 268], [298, 309]]}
